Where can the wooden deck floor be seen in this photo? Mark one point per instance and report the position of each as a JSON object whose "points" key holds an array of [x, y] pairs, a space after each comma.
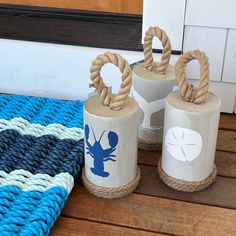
{"points": [[154, 208]]}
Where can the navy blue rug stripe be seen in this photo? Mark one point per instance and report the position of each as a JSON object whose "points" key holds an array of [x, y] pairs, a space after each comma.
{"points": [[45, 154]]}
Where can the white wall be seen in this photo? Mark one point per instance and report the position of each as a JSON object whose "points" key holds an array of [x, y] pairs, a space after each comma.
{"points": [[53, 70]]}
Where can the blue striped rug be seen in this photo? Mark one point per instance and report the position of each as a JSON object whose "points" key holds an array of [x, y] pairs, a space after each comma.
{"points": [[41, 155]]}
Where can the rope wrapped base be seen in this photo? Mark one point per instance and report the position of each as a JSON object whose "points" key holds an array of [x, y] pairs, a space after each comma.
{"points": [[149, 146], [186, 186], [111, 193]]}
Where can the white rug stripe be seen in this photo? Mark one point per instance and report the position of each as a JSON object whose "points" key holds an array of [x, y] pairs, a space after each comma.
{"points": [[24, 127], [26, 181]]}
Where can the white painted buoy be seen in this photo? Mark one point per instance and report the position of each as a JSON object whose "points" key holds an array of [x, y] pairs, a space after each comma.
{"points": [[190, 130], [110, 126], [152, 82]]}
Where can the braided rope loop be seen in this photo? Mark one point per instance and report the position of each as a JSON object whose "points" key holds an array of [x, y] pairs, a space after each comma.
{"points": [[114, 102], [187, 90], [157, 67]]}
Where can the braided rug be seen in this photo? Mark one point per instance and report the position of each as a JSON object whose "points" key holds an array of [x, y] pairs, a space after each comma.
{"points": [[41, 155]]}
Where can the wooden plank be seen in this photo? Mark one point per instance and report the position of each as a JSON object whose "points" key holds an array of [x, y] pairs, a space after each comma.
{"points": [[228, 121], [152, 214], [225, 161], [226, 164], [226, 141], [117, 6], [221, 193], [148, 158], [73, 227]]}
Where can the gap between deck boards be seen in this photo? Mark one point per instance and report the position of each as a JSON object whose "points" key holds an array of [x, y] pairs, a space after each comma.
{"points": [[73, 226]]}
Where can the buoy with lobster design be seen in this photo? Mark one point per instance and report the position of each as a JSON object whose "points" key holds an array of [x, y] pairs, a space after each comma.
{"points": [[110, 126], [190, 130], [152, 82]]}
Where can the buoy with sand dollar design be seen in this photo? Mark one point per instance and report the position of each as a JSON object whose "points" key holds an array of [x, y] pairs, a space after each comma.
{"points": [[190, 130]]}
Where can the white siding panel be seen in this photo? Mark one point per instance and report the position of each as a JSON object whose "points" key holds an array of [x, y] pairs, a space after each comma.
{"points": [[229, 72], [226, 92], [210, 40], [235, 105], [167, 14], [213, 13]]}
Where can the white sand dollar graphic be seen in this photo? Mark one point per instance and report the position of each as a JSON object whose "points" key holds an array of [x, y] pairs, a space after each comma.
{"points": [[183, 144]]}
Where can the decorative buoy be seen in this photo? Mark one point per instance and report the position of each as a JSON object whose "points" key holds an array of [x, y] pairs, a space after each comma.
{"points": [[190, 130], [152, 82], [110, 126]]}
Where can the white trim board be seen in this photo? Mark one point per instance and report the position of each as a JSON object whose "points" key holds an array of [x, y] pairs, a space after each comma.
{"points": [[53, 70]]}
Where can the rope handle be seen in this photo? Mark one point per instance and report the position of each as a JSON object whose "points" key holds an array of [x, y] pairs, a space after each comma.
{"points": [[114, 102], [186, 89], [157, 67]]}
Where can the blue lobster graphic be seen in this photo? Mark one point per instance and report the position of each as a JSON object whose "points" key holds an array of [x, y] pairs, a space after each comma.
{"points": [[99, 154]]}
